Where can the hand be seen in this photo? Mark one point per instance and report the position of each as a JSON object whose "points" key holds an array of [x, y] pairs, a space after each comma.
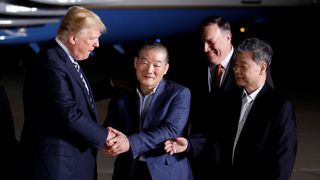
{"points": [[177, 145], [117, 145], [111, 134]]}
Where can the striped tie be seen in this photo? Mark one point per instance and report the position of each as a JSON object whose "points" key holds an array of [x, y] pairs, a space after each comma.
{"points": [[76, 65]]}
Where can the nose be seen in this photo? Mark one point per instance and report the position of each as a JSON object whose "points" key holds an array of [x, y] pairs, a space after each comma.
{"points": [[150, 68], [206, 47], [96, 43]]}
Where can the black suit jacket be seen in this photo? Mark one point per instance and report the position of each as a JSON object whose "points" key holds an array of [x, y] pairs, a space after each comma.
{"points": [[202, 152], [266, 148]]}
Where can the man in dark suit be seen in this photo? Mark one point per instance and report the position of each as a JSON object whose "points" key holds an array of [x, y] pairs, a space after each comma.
{"points": [[61, 134], [216, 39], [209, 85], [257, 130], [157, 109], [217, 46], [259, 141]]}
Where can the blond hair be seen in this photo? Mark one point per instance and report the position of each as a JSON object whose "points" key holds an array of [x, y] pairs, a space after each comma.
{"points": [[76, 19]]}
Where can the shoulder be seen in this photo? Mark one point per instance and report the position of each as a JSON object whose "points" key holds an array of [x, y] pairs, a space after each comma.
{"points": [[277, 101], [51, 51], [170, 85]]}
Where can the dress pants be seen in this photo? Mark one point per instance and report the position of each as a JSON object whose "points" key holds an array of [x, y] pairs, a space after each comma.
{"points": [[141, 171]]}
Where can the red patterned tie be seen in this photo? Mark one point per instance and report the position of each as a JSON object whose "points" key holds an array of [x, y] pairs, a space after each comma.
{"points": [[217, 78]]}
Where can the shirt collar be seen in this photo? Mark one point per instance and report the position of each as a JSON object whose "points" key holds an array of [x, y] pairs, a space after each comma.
{"points": [[141, 94], [252, 96], [65, 49]]}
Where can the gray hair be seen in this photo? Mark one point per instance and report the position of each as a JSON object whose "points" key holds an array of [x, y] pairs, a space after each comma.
{"points": [[261, 50]]}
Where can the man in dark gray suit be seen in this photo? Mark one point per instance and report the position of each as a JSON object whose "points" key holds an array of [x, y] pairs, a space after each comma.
{"points": [[61, 134]]}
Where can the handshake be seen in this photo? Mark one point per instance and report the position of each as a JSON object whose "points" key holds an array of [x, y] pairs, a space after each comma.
{"points": [[116, 143]]}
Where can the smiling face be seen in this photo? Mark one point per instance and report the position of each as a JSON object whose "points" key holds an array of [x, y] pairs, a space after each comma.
{"points": [[217, 43], [151, 65], [81, 44]]}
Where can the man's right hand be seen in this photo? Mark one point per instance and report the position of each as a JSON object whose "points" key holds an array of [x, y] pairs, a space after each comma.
{"points": [[177, 145]]}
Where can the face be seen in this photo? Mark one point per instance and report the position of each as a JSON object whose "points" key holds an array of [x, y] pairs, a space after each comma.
{"points": [[217, 44], [83, 43], [150, 66], [248, 73]]}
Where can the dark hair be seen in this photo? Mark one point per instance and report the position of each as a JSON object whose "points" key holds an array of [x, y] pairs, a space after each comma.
{"points": [[261, 50], [222, 23]]}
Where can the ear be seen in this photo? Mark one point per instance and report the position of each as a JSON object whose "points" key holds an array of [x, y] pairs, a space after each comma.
{"points": [[71, 38], [135, 62], [228, 35], [166, 68], [263, 67]]}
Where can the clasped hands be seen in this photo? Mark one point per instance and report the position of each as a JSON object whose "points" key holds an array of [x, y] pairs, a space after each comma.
{"points": [[116, 143]]}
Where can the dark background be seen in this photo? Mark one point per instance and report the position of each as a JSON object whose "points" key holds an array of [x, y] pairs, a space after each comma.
{"points": [[293, 33]]}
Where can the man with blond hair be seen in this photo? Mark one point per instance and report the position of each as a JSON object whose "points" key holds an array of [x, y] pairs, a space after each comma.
{"points": [[61, 133]]}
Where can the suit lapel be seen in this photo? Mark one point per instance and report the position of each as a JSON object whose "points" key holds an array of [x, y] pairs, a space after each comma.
{"points": [[70, 66], [229, 78], [255, 119], [154, 106]]}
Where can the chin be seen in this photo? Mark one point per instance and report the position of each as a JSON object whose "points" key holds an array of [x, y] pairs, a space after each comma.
{"points": [[240, 83]]}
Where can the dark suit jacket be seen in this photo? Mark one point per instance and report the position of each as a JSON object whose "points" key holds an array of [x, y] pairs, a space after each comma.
{"points": [[61, 133], [200, 90], [165, 119], [10, 150], [200, 124], [266, 148], [201, 95]]}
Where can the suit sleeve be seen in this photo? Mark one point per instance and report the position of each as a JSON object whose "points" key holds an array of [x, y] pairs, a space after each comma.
{"points": [[286, 142], [172, 125]]}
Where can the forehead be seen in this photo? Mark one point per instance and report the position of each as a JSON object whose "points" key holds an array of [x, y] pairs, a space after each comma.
{"points": [[153, 54], [211, 31], [243, 57], [92, 31]]}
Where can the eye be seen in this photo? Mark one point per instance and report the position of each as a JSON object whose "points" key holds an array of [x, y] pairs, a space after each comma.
{"points": [[157, 65], [143, 62]]}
